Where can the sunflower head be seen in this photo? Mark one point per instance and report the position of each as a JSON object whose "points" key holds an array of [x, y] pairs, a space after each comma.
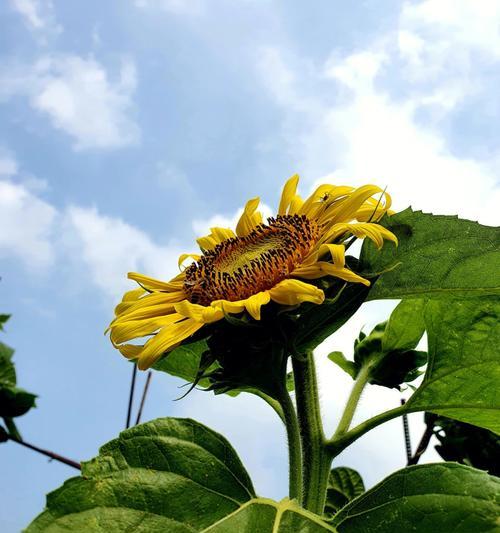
{"points": [[280, 261]]}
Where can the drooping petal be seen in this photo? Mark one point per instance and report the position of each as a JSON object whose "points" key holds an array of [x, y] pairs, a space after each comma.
{"points": [[322, 269], [157, 285], [250, 218], [165, 340], [200, 313], [294, 291], [289, 192], [229, 307], [337, 252], [347, 208], [255, 302], [133, 329]]}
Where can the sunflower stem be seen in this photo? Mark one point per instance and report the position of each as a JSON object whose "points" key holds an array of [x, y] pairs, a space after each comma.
{"points": [[294, 445], [353, 400], [316, 459]]}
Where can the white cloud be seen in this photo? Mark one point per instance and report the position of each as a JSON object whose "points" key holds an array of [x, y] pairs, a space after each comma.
{"points": [[27, 226], [38, 15], [109, 248], [372, 131], [79, 98]]}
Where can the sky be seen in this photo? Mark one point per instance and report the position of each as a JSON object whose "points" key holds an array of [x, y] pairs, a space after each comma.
{"points": [[129, 127]]}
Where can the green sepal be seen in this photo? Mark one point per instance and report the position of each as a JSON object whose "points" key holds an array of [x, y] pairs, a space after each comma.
{"points": [[347, 366]]}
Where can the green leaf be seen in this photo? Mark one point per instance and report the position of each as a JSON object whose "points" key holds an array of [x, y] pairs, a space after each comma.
{"points": [[184, 362], [3, 319], [169, 474], [405, 326], [463, 371], [344, 484], [267, 516], [437, 256], [443, 497], [15, 401], [347, 366], [7, 369], [4, 436]]}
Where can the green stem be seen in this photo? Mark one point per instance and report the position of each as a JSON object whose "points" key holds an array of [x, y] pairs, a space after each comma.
{"points": [[353, 400], [315, 457], [340, 443], [294, 446]]}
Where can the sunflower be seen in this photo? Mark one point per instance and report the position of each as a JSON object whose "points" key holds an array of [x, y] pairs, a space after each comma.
{"points": [[245, 269]]}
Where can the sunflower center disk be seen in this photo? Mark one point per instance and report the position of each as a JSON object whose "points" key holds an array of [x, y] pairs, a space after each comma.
{"points": [[239, 267]]}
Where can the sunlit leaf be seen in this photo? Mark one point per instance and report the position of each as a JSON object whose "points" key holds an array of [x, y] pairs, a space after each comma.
{"points": [[463, 371], [445, 497], [172, 475], [267, 516], [438, 256]]}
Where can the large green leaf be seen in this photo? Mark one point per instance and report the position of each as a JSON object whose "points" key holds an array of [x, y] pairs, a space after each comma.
{"points": [[267, 516], [172, 475], [437, 256], [463, 372], [344, 484], [444, 497]]}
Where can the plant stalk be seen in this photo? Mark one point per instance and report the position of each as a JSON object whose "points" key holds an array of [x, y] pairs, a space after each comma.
{"points": [[353, 400], [316, 460], [47, 453], [294, 445]]}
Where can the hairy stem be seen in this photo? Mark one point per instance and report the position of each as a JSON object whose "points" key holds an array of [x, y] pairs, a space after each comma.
{"points": [[294, 446], [341, 442], [353, 400], [315, 457], [47, 453]]}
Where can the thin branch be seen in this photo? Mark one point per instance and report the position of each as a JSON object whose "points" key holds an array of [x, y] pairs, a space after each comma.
{"points": [[131, 396], [47, 453], [143, 398], [406, 429], [424, 441]]}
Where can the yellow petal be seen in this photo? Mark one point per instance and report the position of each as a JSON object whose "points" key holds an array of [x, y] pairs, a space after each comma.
{"points": [[250, 218], [206, 243], [347, 208], [155, 284], [130, 351], [229, 307], [322, 268], [293, 292], [255, 302], [295, 205], [222, 234], [337, 252], [183, 257], [133, 329], [165, 340], [199, 313], [289, 191]]}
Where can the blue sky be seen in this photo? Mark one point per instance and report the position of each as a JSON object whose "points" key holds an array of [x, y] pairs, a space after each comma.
{"points": [[129, 127]]}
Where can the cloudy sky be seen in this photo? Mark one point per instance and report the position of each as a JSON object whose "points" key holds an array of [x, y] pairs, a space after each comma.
{"points": [[128, 127]]}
